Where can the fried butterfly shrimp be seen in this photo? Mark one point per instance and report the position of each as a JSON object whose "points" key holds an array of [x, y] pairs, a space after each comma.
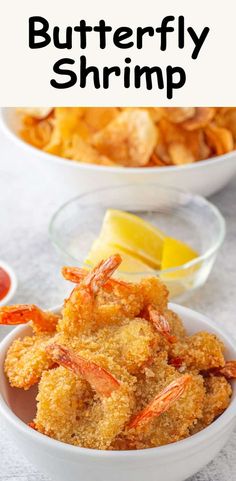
{"points": [[27, 359], [216, 400], [170, 415], [110, 408], [127, 300], [99, 379], [170, 404], [200, 352], [60, 397], [162, 402], [115, 299], [129, 139], [22, 313], [78, 311], [135, 341]]}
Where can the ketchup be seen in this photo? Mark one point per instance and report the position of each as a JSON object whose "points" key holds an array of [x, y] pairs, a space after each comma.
{"points": [[5, 283]]}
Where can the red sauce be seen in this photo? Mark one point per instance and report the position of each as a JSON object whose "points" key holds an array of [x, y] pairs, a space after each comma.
{"points": [[5, 283]]}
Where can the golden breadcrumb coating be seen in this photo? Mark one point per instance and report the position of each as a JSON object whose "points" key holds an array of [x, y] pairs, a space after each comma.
{"points": [[202, 351], [154, 293], [61, 396], [176, 324], [216, 400], [171, 425], [69, 411], [104, 419], [26, 360], [133, 342]]}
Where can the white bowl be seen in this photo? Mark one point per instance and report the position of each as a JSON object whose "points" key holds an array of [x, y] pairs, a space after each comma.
{"points": [[174, 462], [13, 285], [205, 177]]}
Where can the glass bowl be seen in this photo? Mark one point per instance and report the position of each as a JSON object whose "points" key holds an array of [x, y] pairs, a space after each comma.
{"points": [[184, 216]]}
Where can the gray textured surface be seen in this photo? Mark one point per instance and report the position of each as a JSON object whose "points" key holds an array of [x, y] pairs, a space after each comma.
{"points": [[27, 201]]}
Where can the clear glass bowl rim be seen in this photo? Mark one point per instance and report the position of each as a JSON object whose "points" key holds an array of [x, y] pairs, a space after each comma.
{"points": [[203, 257]]}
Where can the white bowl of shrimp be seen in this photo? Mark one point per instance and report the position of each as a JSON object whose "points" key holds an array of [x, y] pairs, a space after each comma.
{"points": [[205, 177], [173, 462]]}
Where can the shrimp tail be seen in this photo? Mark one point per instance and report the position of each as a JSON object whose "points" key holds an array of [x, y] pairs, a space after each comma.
{"points": [[77, 275], [102, 381], [162, 402], [23, 313], [99, 276], [161, 324], [228, 370]]}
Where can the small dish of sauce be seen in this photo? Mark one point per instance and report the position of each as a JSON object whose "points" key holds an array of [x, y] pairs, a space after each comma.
{"points": [[8, 283]]}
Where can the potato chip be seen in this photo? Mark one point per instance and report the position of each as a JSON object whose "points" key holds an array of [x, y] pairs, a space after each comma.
{"points": [[131, 136], [219, 139], [227, 118], [37, 133], [202, 117], [79, 150], [97, 118], [178, 114], [156, 161], [194, 146], [129, 140], [36, 112], [68, 121], [180, 154]]}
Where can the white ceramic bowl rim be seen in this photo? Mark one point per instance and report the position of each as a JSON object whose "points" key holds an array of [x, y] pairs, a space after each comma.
{"points": [[94, 167], [13, 285], [171, 449], [198, 198]]}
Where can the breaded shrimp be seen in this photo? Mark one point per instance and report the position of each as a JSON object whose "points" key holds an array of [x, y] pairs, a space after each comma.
{"points": [[78, 311], [163, 427], [115, 299], [162, 402], [104, 418], [134, 341], [129, 299], [202, 351], [216, 400], [60, 397], [27, 359]]}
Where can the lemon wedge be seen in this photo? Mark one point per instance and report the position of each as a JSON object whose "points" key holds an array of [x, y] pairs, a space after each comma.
{"points": [[101, 250], [175, 254], [133, 235]]}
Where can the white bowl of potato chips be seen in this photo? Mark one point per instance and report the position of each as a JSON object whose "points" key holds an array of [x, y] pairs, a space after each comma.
{"points": [[86, 148]]}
